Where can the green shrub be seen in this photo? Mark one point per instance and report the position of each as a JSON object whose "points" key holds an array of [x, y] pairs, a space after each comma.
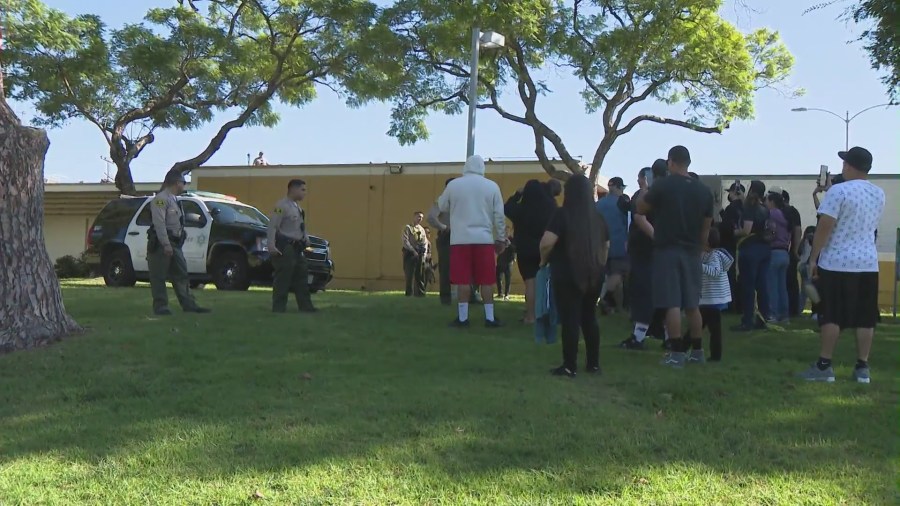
{"points": [[69, 267]]}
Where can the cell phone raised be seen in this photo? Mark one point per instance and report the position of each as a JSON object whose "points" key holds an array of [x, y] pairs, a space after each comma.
{"points": [[823, 175]]}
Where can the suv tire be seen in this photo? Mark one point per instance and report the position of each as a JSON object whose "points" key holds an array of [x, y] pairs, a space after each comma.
{"points": [[118, 270], [230, 271]]}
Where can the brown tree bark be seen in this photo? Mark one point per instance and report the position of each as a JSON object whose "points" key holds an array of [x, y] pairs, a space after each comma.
{"points": [[32, 313]]}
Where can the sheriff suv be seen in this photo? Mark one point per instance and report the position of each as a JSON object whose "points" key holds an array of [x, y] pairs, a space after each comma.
{"points": [[225, 244]]}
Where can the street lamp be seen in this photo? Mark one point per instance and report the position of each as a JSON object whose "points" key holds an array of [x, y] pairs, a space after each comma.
{"points": [[487, 40], [846, 119]]}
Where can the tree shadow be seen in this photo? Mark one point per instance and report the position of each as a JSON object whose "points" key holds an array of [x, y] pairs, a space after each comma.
{"points": [[377, 381]]}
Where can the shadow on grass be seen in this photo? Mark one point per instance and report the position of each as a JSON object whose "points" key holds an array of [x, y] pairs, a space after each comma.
{"points": [[379, 382]]}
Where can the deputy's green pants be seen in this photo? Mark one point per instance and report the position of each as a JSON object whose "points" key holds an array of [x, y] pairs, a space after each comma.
{"points": [[175, 268], [290, 276]]}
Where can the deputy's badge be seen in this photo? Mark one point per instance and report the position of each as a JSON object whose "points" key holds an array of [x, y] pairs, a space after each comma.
{"points": [[279, 210], [160, 203]]}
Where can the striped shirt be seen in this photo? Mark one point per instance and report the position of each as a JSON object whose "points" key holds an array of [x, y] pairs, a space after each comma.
{"points": [[715, 289]]}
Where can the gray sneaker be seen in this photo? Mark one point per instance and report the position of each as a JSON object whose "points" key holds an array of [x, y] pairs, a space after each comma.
{"points": [[696, 357], [815, 374], [861, 375], [675, 360]]}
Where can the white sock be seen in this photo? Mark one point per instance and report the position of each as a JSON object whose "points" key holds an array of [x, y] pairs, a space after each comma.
{"points": [[463, 311], [489, 312], [640, 331], [667, 333]]}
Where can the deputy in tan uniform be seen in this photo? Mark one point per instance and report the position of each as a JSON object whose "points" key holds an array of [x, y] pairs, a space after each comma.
{"points": [[287, 238], [164, 256]]}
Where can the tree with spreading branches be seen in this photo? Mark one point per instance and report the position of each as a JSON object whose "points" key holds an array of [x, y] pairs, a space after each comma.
{"points": [[187, 65], [624, 52]]}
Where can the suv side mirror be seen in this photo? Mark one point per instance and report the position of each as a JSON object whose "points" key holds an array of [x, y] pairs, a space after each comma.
{"points": [[194, 220]]}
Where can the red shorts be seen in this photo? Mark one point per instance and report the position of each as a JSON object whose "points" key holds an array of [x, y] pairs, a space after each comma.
{"points": [[473, 264]]}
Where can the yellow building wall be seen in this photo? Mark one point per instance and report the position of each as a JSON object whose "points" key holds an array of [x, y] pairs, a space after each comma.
{"points": [[362, 215]]}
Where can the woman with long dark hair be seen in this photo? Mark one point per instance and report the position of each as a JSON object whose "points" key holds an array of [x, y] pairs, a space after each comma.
{"points": [[530, 210], [576, 245], [780, 234], [754, 256]]}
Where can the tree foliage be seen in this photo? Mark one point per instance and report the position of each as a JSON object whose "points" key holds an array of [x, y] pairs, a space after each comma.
{"points": [[185, 65], [623, 51], [881, 40]]}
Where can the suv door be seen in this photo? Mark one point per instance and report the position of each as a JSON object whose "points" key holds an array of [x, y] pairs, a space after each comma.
{"points": [[197, 241], [136, 238]]}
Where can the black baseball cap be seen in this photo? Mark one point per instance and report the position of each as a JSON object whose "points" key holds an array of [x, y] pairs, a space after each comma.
{"points": [[739, 188], [617, 182], [858, 158]]}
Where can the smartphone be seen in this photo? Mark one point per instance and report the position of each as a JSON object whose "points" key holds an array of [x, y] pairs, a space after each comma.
{"points": [[823, 175]]}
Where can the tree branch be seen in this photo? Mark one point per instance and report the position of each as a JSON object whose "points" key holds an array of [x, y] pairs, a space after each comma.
{"points": [[652, 87], [668, 121], [81, 110]]}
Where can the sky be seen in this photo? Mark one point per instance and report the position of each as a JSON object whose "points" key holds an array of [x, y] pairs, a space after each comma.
{"points": [[834, 71]]}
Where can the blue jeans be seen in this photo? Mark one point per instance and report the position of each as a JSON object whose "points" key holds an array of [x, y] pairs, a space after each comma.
{"points": [[753, 262], [778, 295]]}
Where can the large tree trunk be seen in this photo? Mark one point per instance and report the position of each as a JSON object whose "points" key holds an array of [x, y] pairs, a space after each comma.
{"points": [[32, 312], [600, 155]]}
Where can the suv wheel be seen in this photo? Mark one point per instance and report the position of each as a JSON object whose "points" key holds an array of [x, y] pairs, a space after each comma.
{"points": [[230, 271], [118, 270]]}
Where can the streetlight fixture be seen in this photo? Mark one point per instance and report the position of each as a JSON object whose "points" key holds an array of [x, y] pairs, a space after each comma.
{"points": [[846, 118], [487, 40]]}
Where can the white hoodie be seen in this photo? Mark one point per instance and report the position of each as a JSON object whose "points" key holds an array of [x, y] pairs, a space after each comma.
{"points": [[475, 206]]}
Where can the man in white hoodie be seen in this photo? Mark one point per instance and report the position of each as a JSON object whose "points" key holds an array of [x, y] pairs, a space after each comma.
{"points": [[477, 235]]}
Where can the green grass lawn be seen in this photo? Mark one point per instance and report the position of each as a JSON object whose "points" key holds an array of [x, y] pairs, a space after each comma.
{"points": [[374, 401]]}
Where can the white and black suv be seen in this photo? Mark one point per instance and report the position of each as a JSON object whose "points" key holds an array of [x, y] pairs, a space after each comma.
{"points": [[225, 245]]}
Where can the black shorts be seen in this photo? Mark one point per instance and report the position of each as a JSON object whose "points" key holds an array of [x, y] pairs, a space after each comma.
{"points": [[849, 299], [528, 266], [677, 277]]}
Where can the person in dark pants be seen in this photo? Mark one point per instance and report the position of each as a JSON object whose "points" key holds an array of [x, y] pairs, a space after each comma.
{"points": [[530, 210], [164, 256], [731, 221], [640, 258], [287, 238], [576, 245], [441, 222], [414, 250], [754, 258], [793, 280], [683, 207], [504, 268]]}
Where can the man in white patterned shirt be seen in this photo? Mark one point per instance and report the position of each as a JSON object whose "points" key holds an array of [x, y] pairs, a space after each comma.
{"points": [[844, 261]]}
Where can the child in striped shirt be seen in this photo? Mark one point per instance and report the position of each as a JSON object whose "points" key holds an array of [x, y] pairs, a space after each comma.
{"points": [[715, 293]]}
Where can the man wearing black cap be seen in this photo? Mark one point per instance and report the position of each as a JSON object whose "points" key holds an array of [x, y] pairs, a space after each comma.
{"points": [[614, 209], [844, 261], [731, 220], [683, 207]]}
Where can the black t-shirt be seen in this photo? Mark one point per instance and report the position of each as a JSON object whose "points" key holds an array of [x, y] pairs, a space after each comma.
{"points": [[792, 215], [758, 214], [640, 245], [680, 204], [731, 219], [559, 261]]}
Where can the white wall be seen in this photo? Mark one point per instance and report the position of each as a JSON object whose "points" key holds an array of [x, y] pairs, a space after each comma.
{"points": [[801, 189], [64, 235]]}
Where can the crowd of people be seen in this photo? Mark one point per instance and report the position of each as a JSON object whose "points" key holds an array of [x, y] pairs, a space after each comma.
{"points": [[663, 255]]}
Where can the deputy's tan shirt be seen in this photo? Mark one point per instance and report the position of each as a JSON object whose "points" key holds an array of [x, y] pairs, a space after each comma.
{"points": [[287, 220], [167, 216], [413, 237]]}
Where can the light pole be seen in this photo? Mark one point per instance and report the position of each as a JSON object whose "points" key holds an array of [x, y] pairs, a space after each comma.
{"points": [[846, 118], [487, 40]]}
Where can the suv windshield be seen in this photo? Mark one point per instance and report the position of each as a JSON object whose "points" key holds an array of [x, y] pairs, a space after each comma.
{"points": [[234, 213]]}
